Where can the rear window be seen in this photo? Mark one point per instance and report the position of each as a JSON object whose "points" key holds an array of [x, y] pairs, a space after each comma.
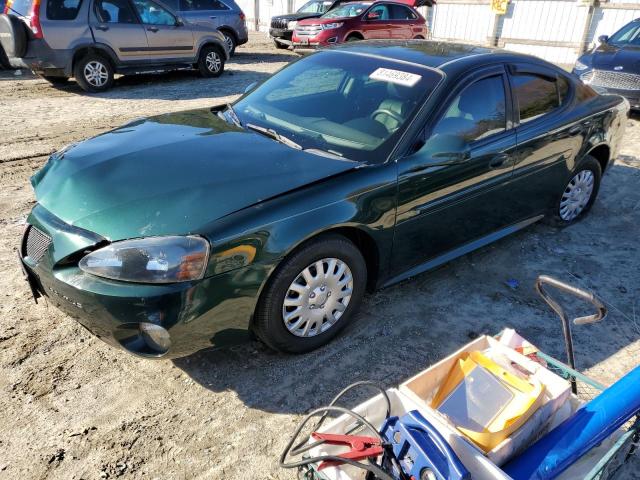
{"points": [[536, 96], [63, 9]]}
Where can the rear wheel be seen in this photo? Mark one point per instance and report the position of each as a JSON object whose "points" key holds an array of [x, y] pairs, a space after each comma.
{"points": [[93, 73], [353, 38], [211, 62], [230, 42], [579, 194], [313, 294]]}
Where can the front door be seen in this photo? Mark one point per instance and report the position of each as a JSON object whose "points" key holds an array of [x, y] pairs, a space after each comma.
{"points": [[453, 190], [167, 38], [114, 23], [376, 22]]}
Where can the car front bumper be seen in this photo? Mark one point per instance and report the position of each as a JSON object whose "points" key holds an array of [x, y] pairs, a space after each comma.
{"points": [[212, 312], [613, 82]]}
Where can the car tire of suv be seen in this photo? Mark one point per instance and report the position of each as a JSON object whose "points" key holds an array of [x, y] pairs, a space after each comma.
{"points": [[13, 36], [579, 194], [280, 46], [4, 60], [211, 61], [327, 250], [230, 42], [94, 73]]}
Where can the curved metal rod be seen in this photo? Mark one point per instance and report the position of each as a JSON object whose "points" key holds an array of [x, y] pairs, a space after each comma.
{"points": [[601, 313]]}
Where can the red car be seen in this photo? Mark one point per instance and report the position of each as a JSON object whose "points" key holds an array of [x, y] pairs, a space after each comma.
{"points": [[361, 21]]}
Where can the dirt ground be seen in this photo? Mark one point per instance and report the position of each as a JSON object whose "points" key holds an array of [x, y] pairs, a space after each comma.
{"points": [[72, 407]]}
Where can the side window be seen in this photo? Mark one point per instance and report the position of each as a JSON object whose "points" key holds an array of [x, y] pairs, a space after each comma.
{"points": [[535, 95], [563, 88], [191, 5], [479, 111], [115, 11], [584, 92], [379, 12], [63, 9], [400, 12], [153, 14]]}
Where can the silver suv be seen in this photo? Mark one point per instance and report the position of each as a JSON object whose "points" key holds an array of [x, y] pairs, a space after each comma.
{"points": [[93, 39]]}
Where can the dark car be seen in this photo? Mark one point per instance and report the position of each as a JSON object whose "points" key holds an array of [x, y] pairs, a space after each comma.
{"points": [[614, 65], [282, 26], [353, 168], [94, 39], [361, 21]]}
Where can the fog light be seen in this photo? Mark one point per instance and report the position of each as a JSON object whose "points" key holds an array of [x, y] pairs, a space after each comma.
{"points": [[156, 337]]}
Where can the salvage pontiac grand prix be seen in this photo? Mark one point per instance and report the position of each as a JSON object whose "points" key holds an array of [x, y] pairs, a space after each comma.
{"points": [[350, 169]]}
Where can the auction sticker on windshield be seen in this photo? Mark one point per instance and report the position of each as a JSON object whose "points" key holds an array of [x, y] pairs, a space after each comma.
{"points": [[395, 76]]}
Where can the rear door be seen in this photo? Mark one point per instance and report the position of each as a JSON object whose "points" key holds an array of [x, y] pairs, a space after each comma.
{"points": [[443, 207], [376, 22], [114, 23], [167, 38], [401, 21], [212, 13]]}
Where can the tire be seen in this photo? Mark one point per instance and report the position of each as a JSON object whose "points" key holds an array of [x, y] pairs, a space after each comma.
{"points": [[4, 60], [280, 46], [571, 205], [269, 323], [56, 81], [100, 67], [13, 36], [209, 68], [230, 41], [353, 38]]}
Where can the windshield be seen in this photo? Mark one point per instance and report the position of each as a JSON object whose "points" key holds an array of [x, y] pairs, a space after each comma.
{"points": [[627, 35], [344, 104], [315, 7], [347, 10]]}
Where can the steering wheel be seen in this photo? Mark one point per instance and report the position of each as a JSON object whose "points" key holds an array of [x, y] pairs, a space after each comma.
{"points": [[389, 113]]}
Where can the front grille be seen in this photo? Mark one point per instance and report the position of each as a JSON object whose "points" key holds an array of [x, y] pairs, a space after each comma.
{"points": [[36, 244], [610, 79], [279, 23], [308, 30]]}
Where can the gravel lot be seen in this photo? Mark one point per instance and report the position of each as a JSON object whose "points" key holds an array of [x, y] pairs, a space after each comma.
{"points": [[74, 408]]}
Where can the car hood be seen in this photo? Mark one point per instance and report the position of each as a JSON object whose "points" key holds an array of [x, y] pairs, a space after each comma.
{"points": [[172, 174], [607, 57], [296, 16]]}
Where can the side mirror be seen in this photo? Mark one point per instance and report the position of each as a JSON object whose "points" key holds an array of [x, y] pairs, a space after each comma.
{"points": [[444, 149], [603, 38], [179, 22], [250, 87]]}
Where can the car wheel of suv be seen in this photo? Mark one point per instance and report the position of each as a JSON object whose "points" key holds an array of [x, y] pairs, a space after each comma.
{"points": [[93, 73], [579, 193], [211, 62], [230, 42], [57, 81], [312, 295], [280, 46]]}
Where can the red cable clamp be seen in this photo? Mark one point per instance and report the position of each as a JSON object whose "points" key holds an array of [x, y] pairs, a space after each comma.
{"points": [[361, 447]]}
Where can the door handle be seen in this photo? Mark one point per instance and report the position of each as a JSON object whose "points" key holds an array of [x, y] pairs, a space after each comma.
{"points": [[104, 28], [575, 130], [213, 17], [498, 160], [153, 29]]}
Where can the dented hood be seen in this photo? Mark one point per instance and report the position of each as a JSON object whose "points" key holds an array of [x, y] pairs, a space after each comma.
{"points": [[171, 174]]}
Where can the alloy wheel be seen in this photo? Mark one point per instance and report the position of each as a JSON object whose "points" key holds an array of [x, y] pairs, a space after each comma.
{"points": [[317, 297], [228, 42], [213, 62], [96, 73], [577, 195]]}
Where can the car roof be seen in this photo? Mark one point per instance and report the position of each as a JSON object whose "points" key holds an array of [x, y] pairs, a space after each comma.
{"points": [[446, 56]]}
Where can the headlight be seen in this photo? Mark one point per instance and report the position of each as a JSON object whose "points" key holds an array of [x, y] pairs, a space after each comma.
{"points": [[150, 260], [291, 25], [329, 26], [579, 66]]}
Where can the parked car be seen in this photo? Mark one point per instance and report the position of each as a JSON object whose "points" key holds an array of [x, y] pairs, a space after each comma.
{"points": [[360, 21], [225, 15], [614, 65], [353, 168], [282, 26], [94, 39]]}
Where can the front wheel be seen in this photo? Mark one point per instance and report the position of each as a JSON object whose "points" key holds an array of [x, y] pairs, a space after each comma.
{"points": [[581, 190], [211, 62], [313, 294], [93, 73]]}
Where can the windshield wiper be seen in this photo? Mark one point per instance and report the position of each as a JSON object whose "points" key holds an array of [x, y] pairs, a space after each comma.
{"points": [[269, 132], [231, 113]]}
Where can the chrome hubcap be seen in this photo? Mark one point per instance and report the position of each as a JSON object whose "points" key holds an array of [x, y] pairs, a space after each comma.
{"points": [[576, 195], [318, 297], [96, 73], [213, 61], [229, 42]]}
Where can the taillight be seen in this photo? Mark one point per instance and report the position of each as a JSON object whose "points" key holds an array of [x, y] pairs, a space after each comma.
{"points": [[34, 19], [7, 7], [242, 16]]}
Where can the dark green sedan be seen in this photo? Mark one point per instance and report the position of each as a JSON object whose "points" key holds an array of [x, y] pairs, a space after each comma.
{"points": [[350, 169]]}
